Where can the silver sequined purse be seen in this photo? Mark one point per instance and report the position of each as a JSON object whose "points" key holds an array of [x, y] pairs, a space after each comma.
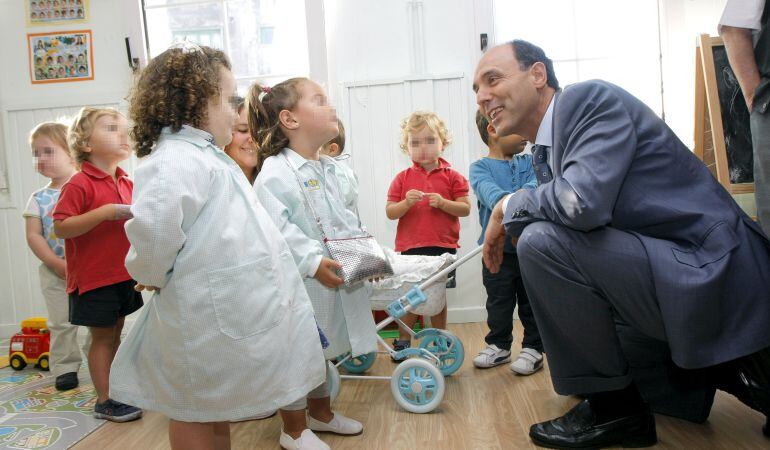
{"points": [[361, 257]]}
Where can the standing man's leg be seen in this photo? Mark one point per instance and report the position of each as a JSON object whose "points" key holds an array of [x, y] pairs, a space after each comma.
{"points": [[577, 283], [760, 139]]}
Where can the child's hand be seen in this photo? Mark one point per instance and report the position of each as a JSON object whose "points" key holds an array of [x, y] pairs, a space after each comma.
{"points": [[413, 196], [140, 287], [327, 273], [115, 211], [60, 267], [122, 212], [435, 200]]}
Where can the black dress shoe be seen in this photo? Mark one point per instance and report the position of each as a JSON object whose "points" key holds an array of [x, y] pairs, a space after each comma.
{"points": [[579, 428], [67, 381], [748, 379]]}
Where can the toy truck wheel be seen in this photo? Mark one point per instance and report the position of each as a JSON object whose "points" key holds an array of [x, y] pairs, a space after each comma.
{"points": [[360, 364], [43, 363], [417, 385], [448, 348], [17, 362], [332, 380]]}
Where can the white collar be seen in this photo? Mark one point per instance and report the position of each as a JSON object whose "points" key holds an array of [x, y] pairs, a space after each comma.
{"points": [[545, 132]]}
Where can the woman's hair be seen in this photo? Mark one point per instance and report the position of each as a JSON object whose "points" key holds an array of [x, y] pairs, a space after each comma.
{"points": [[55, 131], [265, 104], [174, 89], [82, 128], [419, 119]]}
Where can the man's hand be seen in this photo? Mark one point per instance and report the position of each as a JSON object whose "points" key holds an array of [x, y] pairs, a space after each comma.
{"points": [[494, 239], [435, 200], [327, 273]]}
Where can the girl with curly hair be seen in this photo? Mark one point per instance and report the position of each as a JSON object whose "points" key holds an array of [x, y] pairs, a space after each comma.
{"points": [[290, 122], [229, 333]]}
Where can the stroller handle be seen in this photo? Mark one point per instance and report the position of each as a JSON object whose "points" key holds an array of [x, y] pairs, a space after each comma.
{"points": [[451, 267]]}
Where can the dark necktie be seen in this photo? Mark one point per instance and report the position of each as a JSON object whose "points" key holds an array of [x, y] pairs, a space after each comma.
{"points": [[540, 161]]}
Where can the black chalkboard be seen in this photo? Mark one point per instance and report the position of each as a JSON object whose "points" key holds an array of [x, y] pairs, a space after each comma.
{"points": [[735, 120]]}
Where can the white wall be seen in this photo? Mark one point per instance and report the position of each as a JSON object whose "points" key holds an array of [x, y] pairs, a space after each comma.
{"points": [[22, 105]]}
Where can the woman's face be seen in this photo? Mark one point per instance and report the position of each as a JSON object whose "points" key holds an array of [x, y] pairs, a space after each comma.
{"points": [[242, 149]]}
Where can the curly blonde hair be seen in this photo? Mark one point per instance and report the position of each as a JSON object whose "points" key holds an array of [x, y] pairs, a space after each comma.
{"points": [[419, 119], [173, 90], [81, 129]]}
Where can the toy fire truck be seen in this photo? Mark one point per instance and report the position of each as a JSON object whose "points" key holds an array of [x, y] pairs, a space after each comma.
{"points": [[31, 345]]}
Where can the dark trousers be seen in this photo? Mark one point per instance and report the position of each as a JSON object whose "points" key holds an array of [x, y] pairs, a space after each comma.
{"points": [[579, 285], [505, 290]]}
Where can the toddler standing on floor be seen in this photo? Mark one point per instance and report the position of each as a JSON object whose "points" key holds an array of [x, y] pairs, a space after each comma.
{"points": [[92, 209], [502, 172], [52, 160], [427, 199], [229, 332], [301, 191]]}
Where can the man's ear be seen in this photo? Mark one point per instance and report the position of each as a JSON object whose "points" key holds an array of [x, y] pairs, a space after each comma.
{"points": [[287, 120], [539, 74], [334, 148]]}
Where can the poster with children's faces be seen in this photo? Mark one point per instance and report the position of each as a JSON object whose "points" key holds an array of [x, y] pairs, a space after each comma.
{"points": [[61, 56], [44, 12]]}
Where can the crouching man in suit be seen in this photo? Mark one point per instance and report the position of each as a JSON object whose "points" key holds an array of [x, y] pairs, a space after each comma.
{"points": [[626, 225]]}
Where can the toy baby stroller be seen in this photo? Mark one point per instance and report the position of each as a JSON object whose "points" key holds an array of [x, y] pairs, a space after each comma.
{"points": [[417, 383]]}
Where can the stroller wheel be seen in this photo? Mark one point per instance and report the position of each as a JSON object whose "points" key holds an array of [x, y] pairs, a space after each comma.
{"points": [[359, 364], [332, 380], [417, 385], [448, 348]]}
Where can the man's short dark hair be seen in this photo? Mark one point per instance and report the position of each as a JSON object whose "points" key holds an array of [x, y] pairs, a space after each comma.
{"points": [[481, 124], [528, 54]]}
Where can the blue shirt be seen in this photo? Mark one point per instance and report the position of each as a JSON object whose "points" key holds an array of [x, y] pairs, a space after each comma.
{"points": [[492, 179]]}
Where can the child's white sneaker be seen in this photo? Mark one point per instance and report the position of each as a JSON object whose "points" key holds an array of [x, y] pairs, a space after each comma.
{"points": [[338, 425], [491, 356], [306, 441], [528, 362]]}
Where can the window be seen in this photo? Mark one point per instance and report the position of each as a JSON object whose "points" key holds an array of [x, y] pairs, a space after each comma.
{"points": [[265, 40], [589, 39]]}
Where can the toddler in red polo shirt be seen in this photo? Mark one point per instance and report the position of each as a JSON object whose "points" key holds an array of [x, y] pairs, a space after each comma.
{"points": [[92, 209], [427, 199]]}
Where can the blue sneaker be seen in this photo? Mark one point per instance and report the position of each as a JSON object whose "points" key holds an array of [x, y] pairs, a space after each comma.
{"points": [[116, 411]]}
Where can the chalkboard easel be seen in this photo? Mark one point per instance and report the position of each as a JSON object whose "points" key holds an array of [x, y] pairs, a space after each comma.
{"points": [[722, 132]]}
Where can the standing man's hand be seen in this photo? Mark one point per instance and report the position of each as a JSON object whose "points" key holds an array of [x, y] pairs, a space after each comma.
{"points": [[494, 239]]}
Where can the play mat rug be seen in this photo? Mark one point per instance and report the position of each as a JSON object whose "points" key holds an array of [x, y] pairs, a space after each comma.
{"points": [[34, 415]]}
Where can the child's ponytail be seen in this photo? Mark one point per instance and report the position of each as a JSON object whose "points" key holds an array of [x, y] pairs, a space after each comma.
{"points": [[264, 106]]}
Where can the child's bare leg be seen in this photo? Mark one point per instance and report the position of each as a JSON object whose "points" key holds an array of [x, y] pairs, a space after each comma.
{"points": [[320, 408], [439, 320], [191, 435], [294, 422], [409, 320], [100, 358], [116, 340], [222, 436]]}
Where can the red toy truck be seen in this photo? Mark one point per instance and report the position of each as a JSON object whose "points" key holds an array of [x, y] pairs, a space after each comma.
{"points": [[31, 345]]}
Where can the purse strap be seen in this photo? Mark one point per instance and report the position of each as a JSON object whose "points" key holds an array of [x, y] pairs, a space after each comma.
{"points": [[305, 196]]}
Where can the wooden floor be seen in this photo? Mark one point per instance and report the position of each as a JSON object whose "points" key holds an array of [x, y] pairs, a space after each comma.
{"points": [[482, 409]]}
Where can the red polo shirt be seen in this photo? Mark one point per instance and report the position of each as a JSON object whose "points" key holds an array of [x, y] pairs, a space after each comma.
{"points": [[423, 225], [97, 258]]}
